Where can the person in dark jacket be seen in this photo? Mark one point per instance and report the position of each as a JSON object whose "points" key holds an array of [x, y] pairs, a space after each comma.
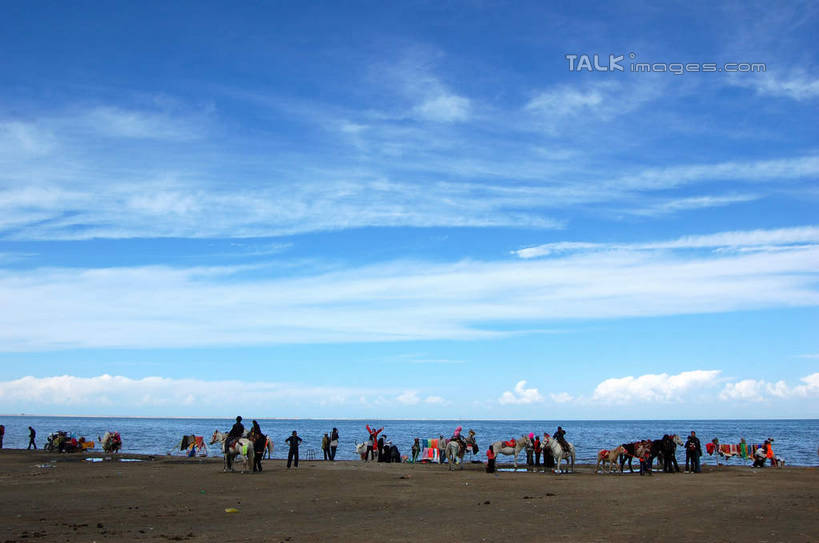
{"points": [[693, 452], [236, 432], [560, 436], [2, 434], [31, 435], [381, 449], [293, 454], [333, 444], [325, 446], [259, 441]]}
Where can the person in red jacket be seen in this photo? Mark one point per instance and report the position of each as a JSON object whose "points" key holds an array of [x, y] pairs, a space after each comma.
{"points": [[490, 464], [373, 441]]}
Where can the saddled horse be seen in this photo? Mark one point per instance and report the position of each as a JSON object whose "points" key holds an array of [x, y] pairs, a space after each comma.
{"points": [[512, 448], [470, 442], [241, 447], [111, 442], [609, 457], [559, 453], [455, 454], [631, 450]]}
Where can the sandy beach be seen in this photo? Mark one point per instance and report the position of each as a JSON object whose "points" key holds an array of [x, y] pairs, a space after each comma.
{"points": [[51, 497]]}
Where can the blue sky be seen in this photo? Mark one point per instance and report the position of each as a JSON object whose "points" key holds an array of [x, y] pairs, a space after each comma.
{"points": [[409, 210]]}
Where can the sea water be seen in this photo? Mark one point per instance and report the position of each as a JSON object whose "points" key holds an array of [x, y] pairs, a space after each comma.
{"points": [[796, 441]]}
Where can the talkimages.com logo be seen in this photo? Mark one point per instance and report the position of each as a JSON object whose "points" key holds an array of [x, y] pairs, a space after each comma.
{"points": [[615, 63]]}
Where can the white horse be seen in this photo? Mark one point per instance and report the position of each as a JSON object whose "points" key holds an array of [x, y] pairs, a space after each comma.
{"points": [[241, 446], [454, 452], [500, 447], [558, 453], [111, 442]]}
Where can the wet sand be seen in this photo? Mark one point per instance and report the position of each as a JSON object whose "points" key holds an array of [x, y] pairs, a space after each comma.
{"points": [[175, 499]]}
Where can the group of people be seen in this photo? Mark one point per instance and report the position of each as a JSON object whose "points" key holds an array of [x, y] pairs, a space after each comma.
{"points": [[329, 445], [379, 447]]}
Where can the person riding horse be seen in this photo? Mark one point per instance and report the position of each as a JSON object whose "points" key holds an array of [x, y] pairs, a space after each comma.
{"points": [[456, 436], [560, 434], [236, 432]]}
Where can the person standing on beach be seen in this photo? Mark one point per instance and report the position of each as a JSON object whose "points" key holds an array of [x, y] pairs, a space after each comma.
{"points": [[373, 440], [693, 452], [2, 433], [490, 460], [416, 450], [293, 454], [325, 446], [333, 444], [381, 448], [31, 435], [259, 441]]}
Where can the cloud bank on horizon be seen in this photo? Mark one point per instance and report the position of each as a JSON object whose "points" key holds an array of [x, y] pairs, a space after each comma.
{"points": [[363, 225]]}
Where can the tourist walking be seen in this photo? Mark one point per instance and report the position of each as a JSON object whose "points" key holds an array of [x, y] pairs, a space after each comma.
{"points": [[293, 454], [31, 435]]}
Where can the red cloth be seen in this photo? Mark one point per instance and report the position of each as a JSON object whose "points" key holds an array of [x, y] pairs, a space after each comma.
{"points": [[374, 434], [710, 447]]}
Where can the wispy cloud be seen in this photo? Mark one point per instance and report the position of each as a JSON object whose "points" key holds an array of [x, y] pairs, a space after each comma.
{"points": [[392, 301], [781, 238], [128, 395], [799, 86], [669, 206]]}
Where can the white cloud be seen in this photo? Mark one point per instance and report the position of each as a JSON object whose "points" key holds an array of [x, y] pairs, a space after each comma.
{"points": [[666, 207], [654, 387], [124, 123], [123, 392], [521, 395], [570, 103], [759, 390], [410, 397], [797, 86], [444, 107], [148, 307], [748, 239], [810, 388], [562, 397], [435, 400]]}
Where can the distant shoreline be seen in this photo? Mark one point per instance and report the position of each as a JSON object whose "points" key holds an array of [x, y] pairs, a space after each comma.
{"points": [[375, 419]]}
